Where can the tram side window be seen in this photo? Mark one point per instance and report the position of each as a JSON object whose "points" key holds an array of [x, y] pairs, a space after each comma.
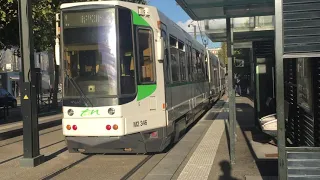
{"points": [[203, 71], [206, 66], [127, 65], [194, 65], [190, 69], [166, 58], [146, 62], [187, 64], [216, 74], [175, 71], [182, 61], [198, 66]]}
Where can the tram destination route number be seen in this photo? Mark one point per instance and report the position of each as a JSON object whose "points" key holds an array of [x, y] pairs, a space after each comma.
{"points": [[140, 123]]}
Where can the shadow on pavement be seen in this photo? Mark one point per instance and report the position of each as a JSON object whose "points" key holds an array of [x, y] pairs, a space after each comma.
{"points": [[55, 154], [245, 119], [225, 167]]}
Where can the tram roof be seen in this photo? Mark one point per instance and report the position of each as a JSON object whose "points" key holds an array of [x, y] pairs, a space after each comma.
{"points": [[216, 9]]}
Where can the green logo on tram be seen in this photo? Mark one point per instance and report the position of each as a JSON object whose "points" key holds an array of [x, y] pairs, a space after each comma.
{"points": [[88, 112]]}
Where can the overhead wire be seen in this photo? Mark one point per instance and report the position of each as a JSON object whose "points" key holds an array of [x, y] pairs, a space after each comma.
{"points": [[201, 34], [203, 42]]}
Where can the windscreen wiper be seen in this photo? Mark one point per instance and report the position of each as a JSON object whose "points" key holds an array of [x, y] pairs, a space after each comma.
{"points": [[82, 95]]}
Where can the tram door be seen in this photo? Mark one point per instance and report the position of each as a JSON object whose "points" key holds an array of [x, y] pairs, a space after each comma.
{"points": [[167, 75], [166, 66]]}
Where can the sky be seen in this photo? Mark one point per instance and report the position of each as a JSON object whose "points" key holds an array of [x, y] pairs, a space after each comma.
{"points": [[173, 11]]}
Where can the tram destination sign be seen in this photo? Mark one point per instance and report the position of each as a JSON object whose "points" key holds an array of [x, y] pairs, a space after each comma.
{"points": [[73, 19]]}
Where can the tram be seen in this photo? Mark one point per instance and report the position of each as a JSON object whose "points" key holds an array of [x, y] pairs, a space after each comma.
{"points": [[133, 80]]}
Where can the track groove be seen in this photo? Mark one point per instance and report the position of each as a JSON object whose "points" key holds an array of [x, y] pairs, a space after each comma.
{"points": [[41, 134], [136, 168], [5, 161], [50, 176]]}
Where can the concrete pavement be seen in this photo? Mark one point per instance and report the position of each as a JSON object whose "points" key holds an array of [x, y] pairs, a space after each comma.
{"points": [[202, 153], [10, 130]]}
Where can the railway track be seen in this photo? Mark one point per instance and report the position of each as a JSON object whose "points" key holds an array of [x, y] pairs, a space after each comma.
{"points": [[135, 169], [56, 173], [21, 138]]}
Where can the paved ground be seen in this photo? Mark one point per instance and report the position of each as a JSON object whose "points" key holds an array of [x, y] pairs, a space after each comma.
{"points": [[209, 159], [246, 162], [61, 164], [203, 151]]}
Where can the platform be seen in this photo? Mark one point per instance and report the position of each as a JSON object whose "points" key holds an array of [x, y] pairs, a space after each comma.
{"points": [[203, 152], [12, 129]]}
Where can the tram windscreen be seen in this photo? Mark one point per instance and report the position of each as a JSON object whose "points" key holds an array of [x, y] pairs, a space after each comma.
{"points": [[90, 56], [90, 53]]}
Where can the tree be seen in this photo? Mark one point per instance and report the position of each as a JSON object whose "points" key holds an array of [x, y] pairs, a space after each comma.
{"points": [[43, 13], [222, 54], [9, 24]]}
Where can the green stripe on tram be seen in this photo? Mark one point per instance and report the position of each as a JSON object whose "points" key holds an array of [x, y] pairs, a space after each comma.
{"points": [[145, 91], [138, 20]]}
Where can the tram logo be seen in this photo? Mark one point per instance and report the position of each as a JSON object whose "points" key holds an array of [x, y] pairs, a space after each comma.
{"points": [[88, 112]]}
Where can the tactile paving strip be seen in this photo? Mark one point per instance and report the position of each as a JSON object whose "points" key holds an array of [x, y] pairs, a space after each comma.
{"points": [[200, 163]]}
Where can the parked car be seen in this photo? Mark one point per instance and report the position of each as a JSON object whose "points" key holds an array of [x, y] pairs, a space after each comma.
{"points": [[7, 99]]}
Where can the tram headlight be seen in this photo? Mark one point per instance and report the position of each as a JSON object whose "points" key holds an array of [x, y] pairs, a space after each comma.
{"points": [[70, 112], [111, 111]]}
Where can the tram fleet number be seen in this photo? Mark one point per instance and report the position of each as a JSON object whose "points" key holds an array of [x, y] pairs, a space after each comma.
{"points": [[140, 123]]}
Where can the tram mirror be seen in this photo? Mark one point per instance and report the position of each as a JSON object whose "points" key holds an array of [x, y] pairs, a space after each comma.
{"points": [[160, 50]]}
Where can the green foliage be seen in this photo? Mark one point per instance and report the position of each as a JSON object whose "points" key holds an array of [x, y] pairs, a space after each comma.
{"points": [[9, 24], [222, 54], [43, 13]]}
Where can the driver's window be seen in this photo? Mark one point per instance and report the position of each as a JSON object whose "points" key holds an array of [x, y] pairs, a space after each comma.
{"points": [[146, 60]]}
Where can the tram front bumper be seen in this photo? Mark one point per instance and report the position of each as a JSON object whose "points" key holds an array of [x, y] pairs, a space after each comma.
{"points": [[132, 143]]}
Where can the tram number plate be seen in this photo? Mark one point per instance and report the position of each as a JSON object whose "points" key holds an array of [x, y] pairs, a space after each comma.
{"points": [[140, 123]]}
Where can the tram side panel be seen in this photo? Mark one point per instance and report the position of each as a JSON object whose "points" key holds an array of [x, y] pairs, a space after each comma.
{"points": [[147, 115], [183, 93]]}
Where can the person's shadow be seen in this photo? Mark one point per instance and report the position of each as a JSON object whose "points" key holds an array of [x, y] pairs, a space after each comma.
{"points": [[226, 169]]}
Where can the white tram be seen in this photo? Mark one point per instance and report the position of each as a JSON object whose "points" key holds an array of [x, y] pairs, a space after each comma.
{"points": [[133, 79]]}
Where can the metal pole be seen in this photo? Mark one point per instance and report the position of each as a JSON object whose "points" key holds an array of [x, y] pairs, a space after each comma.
{"points": [[232, 98], [282, 162], [195, 31], [31, 152]]}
